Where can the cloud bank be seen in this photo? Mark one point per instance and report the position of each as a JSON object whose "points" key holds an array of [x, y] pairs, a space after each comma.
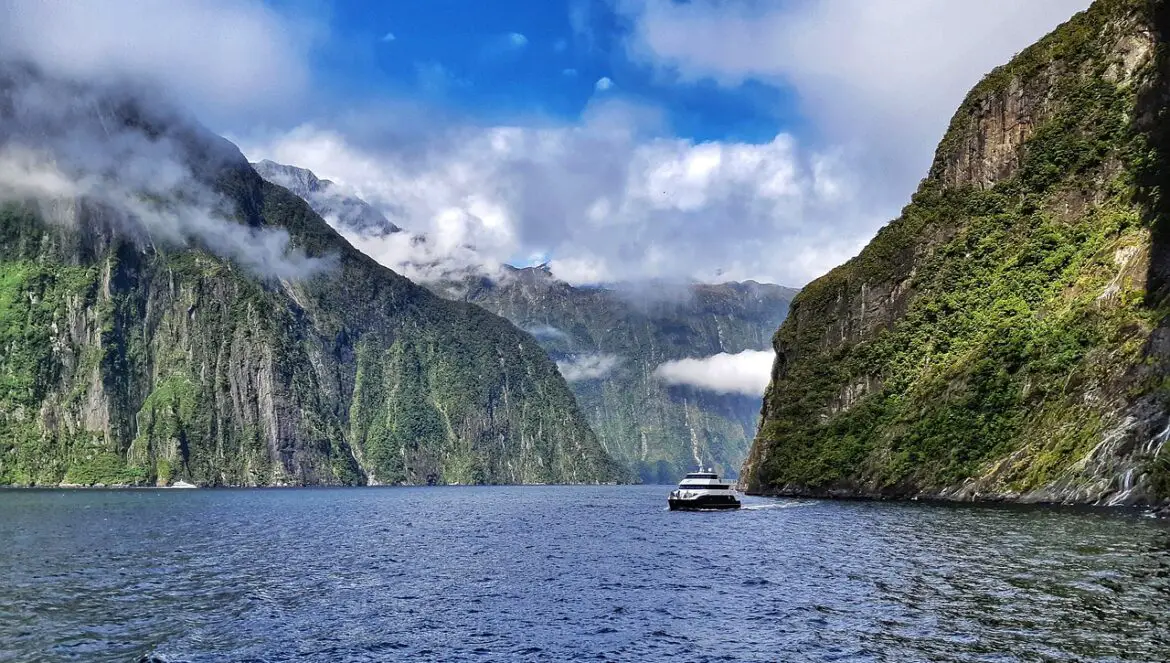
{"points": [[588, 367], [603, 200], [219, 56], [73, 151], [880, 78], [616, 197], [745, 373]]}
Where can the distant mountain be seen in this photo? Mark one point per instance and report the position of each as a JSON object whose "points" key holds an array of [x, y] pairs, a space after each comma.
{"points": [[341, 208], [610, 343], [166, 314]]}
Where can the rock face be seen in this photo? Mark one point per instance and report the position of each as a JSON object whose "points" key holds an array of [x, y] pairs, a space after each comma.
{"points": [[1006, 337], [342, 209], [130, 355], [609, 342]]}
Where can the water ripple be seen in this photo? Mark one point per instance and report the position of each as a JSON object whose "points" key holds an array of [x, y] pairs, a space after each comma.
{"points": [[552, 574]]}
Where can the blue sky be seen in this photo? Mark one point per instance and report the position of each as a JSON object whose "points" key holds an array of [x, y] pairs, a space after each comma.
{"points": [[740, 139], [506, 59]]}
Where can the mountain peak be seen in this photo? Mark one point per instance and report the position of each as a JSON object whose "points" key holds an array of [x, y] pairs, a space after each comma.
{"points": [[341, 208]]}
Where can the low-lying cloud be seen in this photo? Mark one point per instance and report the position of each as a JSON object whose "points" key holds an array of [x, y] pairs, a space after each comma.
{"points": [[744, 373], [70, 147], [546, 332], [588, 367], [423, 258], [604, 200], [220, 56]]}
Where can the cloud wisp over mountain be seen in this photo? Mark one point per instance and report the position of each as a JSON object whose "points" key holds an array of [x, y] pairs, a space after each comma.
{"points": [[746, 373], [646, 209], [773, 156], [588, 367], [77, 152], [256, 64]]}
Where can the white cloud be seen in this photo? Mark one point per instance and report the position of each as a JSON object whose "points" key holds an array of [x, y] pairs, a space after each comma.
{"points": [[744, 373], [65, 146], [569, 72], [612, 198], [880, 78], [218, 56], [588, 367], [517, 40], [602, 201], [389, 37], [547, 332]]}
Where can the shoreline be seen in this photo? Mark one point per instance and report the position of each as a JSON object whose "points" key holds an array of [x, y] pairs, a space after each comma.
{"points": [[996, 500], [1159, 511]]}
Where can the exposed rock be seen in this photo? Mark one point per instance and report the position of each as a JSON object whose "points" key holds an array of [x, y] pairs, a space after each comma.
{"points": [[341, 208]]}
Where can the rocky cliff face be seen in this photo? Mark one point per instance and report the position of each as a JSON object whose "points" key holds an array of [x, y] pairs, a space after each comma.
{"points": [[138, 347], [341, 208], [1006, 337], [609, 344]]}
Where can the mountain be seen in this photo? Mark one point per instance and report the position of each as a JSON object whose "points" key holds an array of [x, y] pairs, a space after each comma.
{"points": [[1007, 336], [166, 314], [609, 343], [341, 208]]}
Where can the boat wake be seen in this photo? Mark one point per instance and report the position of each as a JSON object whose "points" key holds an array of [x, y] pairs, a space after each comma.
{"points": [[767, 506]]}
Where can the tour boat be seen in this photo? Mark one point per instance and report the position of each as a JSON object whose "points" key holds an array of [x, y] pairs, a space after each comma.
{"points": [[703, 490]]}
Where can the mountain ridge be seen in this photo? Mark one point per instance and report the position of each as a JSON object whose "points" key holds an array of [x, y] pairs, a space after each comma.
{"points": [[611, 344], [344, 210], [610, 339]]}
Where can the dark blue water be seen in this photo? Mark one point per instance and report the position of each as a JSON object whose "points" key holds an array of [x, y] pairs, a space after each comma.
{"points": [[553, 573]]}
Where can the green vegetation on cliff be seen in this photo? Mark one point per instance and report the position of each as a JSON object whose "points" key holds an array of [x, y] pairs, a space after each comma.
{"points": [[1005, 335]]}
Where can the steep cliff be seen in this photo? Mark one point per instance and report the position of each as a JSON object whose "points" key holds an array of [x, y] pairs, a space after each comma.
{"points": [[1006, 337], [610, 342], [145, 339]]}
